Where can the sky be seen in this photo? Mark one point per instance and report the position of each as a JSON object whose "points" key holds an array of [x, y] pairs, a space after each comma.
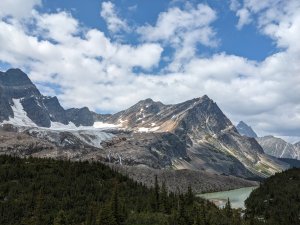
{"points": [[108, 55]]}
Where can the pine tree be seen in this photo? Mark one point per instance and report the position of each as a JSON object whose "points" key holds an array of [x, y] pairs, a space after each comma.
{"points": [[181, 211], [190, 196], [91, 217], [38, 209], [155, 198], [106, 217], [228, 209], [60, 219], [115, 206], [164, 199]]}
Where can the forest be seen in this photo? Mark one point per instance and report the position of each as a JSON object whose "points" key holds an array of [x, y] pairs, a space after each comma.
{"points": [[53, 192], [277, 200]]}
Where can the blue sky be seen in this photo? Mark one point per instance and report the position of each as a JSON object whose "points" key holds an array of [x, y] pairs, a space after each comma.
{"points": [[108, 55], [242, 42]]}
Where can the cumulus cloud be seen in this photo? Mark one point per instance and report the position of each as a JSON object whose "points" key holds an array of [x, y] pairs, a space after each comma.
{"points": [[183, 29], [109, 14], [17, 8], [90, 69], [58, 26], [244, 17]]}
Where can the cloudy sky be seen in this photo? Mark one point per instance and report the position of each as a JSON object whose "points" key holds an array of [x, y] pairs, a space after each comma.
{"points": [[107, 55]]}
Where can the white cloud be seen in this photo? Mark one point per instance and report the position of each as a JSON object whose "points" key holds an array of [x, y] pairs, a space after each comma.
{"points": [[17, 8], [183, 29], [244, 17], [234, 5], [109, 14], [57, 26]]}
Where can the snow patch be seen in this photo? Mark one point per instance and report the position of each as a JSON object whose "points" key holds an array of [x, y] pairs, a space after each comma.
{"points": [[102, 125], [146, 129], [20, 116], [61, 126]]}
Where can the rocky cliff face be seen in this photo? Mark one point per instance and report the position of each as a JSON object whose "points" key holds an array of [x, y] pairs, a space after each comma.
{"points": [[245, 130], [82, 116], [19, 97], [279, 148], [213, 143], [271, 145], [77, 145]]}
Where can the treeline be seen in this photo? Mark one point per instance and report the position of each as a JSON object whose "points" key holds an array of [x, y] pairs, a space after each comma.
{"points": [[51, 192], [277, 200]]}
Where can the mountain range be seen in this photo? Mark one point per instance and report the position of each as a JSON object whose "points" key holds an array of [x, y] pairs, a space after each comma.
{"points": [[192, 136], [271, 145]]}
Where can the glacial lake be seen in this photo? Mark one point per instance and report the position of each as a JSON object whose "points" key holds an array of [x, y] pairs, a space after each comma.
{"points": [[237, 197]]}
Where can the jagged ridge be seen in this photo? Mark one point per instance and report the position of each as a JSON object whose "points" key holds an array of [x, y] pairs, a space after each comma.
{"points": [[19, 95]]}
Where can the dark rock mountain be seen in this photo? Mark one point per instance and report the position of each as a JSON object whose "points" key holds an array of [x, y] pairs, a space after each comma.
{"points": [[82, 116], [245, 130], [16, 84], [18, 93], [279, 148], [56, 111], [100, 117]]}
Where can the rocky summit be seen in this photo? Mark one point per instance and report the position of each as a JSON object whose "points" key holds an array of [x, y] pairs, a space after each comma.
{"points": [[212, 141], [245, 130], [21, 103], [193, 136]]}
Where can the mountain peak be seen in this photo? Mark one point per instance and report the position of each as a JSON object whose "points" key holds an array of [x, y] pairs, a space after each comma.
{"points": [[15, 77], [202, 99], [147, 100], [245, 130], [205, 97]]}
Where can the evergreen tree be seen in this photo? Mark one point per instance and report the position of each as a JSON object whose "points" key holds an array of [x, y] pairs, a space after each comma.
{"points": [[164, 199], [190, 196], [115, 206], [106, 216], [155, 199], [60, 219], [91, 216], [228, 209]]}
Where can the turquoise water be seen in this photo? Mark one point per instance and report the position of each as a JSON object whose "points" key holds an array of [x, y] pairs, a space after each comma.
{"points": [[237, 197]]}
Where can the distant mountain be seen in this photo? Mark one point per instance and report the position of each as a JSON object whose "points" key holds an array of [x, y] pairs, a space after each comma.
{"points": [[279, 148], [271, 145], [21, 103], [245, 130]]}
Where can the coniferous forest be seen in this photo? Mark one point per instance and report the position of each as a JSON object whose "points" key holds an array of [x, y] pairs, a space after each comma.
{"points": [[50, 192], [277, 200]]}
